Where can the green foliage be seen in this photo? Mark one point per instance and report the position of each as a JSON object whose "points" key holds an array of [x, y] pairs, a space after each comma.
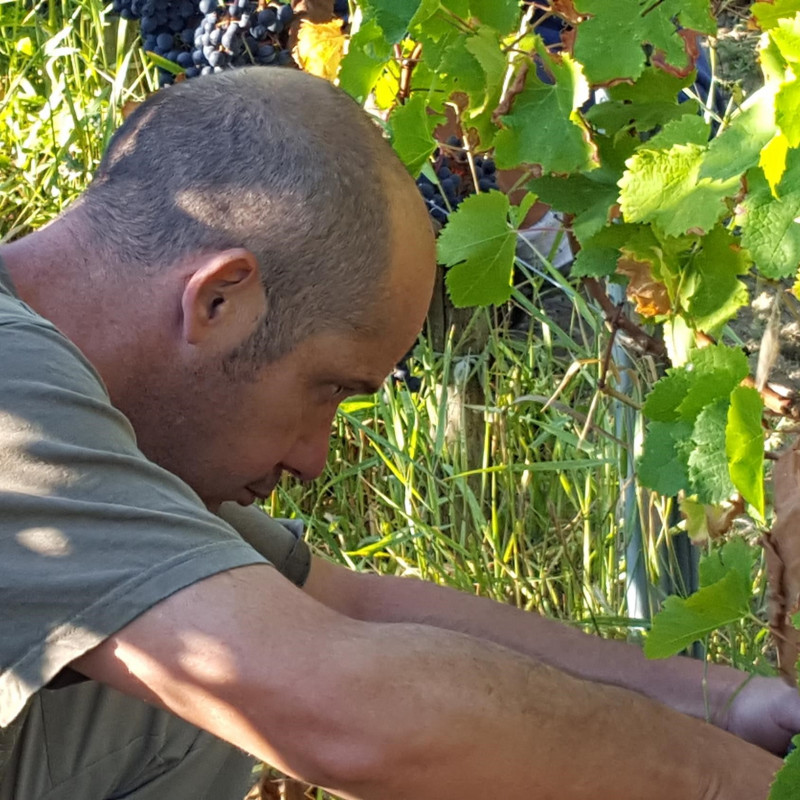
{"points": [[683, 621], [786, 785], [628, 25], [563, 144], [706, 437], [723, 598], [479, 245], [412, 133], [744, 445]]}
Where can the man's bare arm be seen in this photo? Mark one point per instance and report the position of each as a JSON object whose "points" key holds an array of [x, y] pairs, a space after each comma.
{"points": [[763, 710], [374, 710]]}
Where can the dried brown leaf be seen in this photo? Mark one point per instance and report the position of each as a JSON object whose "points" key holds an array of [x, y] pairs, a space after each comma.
{"points": [[690, 40], [566, 10], [650, 295]]}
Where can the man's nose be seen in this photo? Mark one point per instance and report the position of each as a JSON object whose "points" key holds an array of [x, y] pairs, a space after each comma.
{"points": [[307, 458]]}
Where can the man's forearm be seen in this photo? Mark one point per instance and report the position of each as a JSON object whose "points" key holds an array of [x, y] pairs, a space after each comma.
{"points": [[473, 719], [677, 682], [376, 711]]}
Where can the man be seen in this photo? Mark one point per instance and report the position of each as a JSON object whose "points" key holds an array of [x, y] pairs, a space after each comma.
{"points": [[250, 253]]}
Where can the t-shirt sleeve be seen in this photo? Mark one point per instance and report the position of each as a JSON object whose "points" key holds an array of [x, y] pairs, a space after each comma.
{"points": [[280, 541], [92, 534]]}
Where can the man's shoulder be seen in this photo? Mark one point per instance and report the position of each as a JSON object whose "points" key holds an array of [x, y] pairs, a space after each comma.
{"points": [[12, 307]]}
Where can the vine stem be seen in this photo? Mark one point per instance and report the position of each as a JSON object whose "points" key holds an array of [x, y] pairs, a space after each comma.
{"points": [[647, 342]]}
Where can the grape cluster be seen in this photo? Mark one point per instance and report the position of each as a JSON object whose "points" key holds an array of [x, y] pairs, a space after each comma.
{"points": [[454, 179], [205, 36], [238, 34]]}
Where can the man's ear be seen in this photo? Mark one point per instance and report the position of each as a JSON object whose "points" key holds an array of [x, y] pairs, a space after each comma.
{"points": [[223, 299]]}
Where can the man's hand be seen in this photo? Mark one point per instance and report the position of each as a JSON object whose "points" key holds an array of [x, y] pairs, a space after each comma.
{"points": [[765, 712]]}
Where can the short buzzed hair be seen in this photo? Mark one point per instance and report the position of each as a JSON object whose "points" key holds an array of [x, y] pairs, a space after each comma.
{"points": [[269, 159]]}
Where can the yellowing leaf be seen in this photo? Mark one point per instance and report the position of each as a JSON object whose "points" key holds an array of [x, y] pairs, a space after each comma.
{"points": [[320, 48], [767, 14], [773, 161]]}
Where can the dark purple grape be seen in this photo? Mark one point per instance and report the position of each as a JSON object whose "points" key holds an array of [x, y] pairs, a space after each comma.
{"points": [[266, 17]]}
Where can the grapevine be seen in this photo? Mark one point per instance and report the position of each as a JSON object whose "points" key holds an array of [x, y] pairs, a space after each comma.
{"points": [[200, 37]]}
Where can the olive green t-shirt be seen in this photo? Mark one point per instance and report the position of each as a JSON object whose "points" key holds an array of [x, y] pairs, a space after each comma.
{"points": [[92, 534]]}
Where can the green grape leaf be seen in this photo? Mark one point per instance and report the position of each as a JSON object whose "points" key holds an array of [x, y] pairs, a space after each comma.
{"points": [[394, 18], [502, 15], [736, 555], [692, 14], [458, 7], [787, 103], [744, 445], [663, 466], [617, 116], [479, 247], [563, 144], [587, 196], [485, 48], [572, 194], [628, 25], [600, 253], [595, 262], [769, 228], [767, 14], [648, 103], [519, 212], [666, 396], [786, 785], [709, 475], [736, 149], [664, 187], [366, 58], [710, 291], [688, 129], [683, 621], [786, 35], [716, 371], [472, 64], [412, 133]]}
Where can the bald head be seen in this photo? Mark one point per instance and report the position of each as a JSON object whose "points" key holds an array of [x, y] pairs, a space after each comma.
{"points": [[271, 160]]}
